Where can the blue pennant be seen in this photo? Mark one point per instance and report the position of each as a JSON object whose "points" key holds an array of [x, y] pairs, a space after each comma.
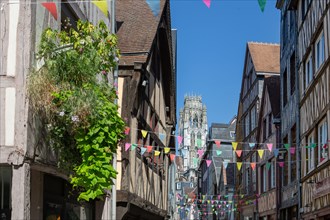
{"points": [[154, 6]]}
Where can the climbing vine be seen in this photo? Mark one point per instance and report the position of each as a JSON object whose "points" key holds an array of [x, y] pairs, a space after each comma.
{"points": [[72, 94]]}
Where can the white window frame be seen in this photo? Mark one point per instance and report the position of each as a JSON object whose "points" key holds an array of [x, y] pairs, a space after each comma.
{"points": [[322, 134], [319, 51], [308, 70], [311, 153]]}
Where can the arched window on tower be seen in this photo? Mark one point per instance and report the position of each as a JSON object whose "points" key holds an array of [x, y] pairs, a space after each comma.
{"points": [[195, 122], [199, 140], [192, 139]]}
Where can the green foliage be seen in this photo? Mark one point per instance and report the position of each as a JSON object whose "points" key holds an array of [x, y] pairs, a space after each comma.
{"points": [[73, 96]]}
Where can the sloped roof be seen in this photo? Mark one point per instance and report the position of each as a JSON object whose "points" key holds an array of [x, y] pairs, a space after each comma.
{"points": [[137, 29], [272, 84], [265, 57]]}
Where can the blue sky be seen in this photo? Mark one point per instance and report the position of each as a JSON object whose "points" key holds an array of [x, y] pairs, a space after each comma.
{"points": [[211, 48]]}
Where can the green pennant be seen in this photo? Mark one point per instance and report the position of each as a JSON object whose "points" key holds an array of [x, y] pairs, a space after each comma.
{"points": [[313, 145], [287, 146], [133, 146], [268, 165], [262, 4], [219, 152]]}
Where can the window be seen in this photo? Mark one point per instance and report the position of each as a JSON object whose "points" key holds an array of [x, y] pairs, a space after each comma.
{"points": [[232, 134], [319, 51], [285, 169], [254, 174], [5, 189], [323, 148], [247, 180], [269, 125], [264, 128], [272, 173], [253, 114], [308, 71], [293, 72], [304, 7], [264, 178], [310, 153], [285, 88], [247, 125], [293, 157]]}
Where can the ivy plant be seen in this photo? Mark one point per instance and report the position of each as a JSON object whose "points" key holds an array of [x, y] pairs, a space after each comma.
{"points": [[72, 94]]}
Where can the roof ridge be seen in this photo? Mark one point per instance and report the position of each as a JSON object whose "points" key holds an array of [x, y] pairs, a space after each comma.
{"points": [[263, 43]]}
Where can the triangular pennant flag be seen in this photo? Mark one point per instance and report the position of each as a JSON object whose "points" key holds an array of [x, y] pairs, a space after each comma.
{"points": [[208, 162], [252, 145], [103, 6], [156, 152], [127, 129], [260, 152], [253, 165], [162, 136], [127, 146], [143, 150], [149, 149], [239, 165], [281, 164], [217, 143], [154, 6], [234, 145], [166, 150], [239, 153], [268, 165], [292, 150], [51, 7], [219, 152], [179, 139], [313, 145], [172, 157], [225, 164], [207, 3], [133, 146], [144, 133], [200, 152], [262, 4], [276, 151], [270, 147], [287, 146]]}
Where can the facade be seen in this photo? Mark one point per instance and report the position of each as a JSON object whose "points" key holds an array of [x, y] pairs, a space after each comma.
{"points": [[31, 185], [313, 18], [147, 100], [268, 138], [261, 60], [193, 130]]}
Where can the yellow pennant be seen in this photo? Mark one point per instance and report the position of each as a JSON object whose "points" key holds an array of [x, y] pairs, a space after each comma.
{"points": [[260, 152], [167, 149], [234, 145], [103, 6], [144, 133], [157, 152], [239, 165]]}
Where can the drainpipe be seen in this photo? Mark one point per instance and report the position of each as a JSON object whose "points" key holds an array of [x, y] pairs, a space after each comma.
{"points": [[115, 81]]}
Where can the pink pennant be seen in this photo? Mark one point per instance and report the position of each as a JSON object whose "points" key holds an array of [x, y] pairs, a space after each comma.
{"points": [[149, 149], [127, 129], [239, 153], [51, 7], [292, 150], [207, 3], [127, 146], [217, 143], [208, 162], [172, 157], [281, 164], [270, 147], [200, 152], [180, 139]]}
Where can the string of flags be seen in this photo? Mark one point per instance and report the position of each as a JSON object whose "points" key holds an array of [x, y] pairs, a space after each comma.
{"points": [[262, 4]]}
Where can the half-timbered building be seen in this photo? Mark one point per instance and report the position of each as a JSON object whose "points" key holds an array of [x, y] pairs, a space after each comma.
{"points": [[147, 100], [268, 135], [314, 102], [261, 60]]}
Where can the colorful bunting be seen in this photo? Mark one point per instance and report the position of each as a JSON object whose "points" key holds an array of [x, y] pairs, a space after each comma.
{"points": [[200, 152], [51, 7], [281, 164], [166, 150], [162, 136], [133, 146], [276, 151], [208, 162], [268, 165], [144, 133], [287, 146], [156, 152], [234, 145], [292, 150], [260, 152], [154, 6], [219, 152], [239, 165], [225, 164], [207, 3], [102, 5], [127, 129], [127, 146], [179, 139], [262, 4], [143, 150], [239, 153], [172, 157], [270, 147], [217, 143], [252, 145], [253, 165], [149, 149]]}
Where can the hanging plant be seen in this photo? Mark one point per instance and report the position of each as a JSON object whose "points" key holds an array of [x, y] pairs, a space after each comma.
{"points": [[72, 95]]}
